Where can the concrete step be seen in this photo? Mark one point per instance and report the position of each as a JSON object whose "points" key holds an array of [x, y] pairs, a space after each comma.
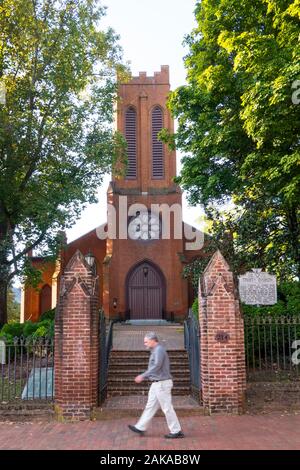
{"points": [[177, 361], [141, 368], [143, 353], [151, 322], [119, 368], [137, 361], [139, 390], [132, 406], [129, 382], [118, 371], [140, 357]]}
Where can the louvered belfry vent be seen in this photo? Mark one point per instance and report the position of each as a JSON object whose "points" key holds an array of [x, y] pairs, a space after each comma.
{"points": [[157, 145], [130, 134]]}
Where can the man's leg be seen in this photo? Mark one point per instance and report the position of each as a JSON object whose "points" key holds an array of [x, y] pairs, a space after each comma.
{"points": [[150, 409], [164, 397]]}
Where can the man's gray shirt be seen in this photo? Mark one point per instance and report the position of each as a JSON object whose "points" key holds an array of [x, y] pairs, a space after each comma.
{"points": [[159, 365]]}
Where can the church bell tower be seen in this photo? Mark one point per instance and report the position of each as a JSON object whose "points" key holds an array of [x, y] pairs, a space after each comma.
{"points": [[142, 272], [141, 114]]}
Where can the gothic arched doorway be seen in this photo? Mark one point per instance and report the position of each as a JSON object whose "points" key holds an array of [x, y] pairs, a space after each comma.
{"points": [[145, 292]]}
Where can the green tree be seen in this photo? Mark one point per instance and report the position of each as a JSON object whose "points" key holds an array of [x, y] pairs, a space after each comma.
{"points": [[249, 237], [13, 307], [238, 125], [59, 71]]}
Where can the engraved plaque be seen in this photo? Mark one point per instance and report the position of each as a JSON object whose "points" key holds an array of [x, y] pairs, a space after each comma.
{"points": [[222, 337], [258, 288]]}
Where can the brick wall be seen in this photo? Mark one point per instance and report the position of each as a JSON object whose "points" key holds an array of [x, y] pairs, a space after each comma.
{"points": [[76, 341], [223, 374]]}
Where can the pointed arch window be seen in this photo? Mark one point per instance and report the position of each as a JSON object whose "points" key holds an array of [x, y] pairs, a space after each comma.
{"points": [[130, 134], [157, 145], [45, 298]]}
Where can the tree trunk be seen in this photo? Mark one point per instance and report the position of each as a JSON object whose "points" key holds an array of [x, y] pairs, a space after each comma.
{"points": [[4, 272], [3, 302], [294, 230]]}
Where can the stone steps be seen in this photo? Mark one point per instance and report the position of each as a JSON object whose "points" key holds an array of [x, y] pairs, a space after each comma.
{"points": [[125, 365], [134, 365], [120, 358], [143, 352], [149, 323], [141, 390], [141, 358], [134, 371], [142, 364], [129, 382]]}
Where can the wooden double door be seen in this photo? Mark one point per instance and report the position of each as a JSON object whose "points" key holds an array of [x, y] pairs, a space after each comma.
{"points": [[146, 292]]}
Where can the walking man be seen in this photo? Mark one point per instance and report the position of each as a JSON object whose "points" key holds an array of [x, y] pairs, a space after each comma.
{"points": [[158, 373]]}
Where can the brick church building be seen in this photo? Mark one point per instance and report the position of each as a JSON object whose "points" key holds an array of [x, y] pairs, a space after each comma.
{"points": [[138, 263]]}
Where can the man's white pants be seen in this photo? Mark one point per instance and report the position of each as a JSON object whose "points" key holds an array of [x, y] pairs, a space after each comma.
{"points": [[159, 397]]}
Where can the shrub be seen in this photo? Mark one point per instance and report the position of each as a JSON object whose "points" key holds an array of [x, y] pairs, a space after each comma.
{"points": [[12, 329], [49, 315], [29, 328], [290, 293], [267, 332], [195, 307], [45, 328], [288, 302], [273, 310], [40, 331], [9, 339]]}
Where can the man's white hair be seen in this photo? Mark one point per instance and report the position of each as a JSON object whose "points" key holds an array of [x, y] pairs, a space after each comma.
{"points": [[152, 335]]}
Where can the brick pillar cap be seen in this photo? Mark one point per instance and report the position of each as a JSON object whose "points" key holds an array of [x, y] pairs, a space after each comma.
{"points": [[217, 256]]}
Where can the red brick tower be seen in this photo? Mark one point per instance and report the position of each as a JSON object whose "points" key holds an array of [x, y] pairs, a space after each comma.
{"points": [[142, 275]]}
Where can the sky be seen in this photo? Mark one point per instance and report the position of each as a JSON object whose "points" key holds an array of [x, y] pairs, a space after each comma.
{"points": [[151, 34]]}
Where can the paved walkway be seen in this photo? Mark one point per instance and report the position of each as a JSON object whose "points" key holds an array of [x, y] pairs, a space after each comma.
{"points": [[131, 338], [273, 431]]}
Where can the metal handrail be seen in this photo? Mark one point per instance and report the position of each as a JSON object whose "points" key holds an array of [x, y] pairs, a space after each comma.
{"points": [[192, 346], [109, 339], [105, 346]]}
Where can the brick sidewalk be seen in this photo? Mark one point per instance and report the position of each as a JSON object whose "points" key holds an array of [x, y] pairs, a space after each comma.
{"points": [[273, 431]]}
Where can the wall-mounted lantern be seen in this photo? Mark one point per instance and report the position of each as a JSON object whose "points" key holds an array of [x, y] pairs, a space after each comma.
{"points": [[91, 261]]}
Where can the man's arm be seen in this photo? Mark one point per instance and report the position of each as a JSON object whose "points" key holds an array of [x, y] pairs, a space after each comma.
{"points": [[158, 360]]}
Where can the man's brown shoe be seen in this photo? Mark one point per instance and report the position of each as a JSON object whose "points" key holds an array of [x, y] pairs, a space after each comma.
{"points": [[134, 429], [175, 435]]}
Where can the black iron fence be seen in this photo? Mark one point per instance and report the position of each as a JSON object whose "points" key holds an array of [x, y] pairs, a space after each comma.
{"points": [[27, 369], [106, 341], [192, 346], [272, 347]]}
